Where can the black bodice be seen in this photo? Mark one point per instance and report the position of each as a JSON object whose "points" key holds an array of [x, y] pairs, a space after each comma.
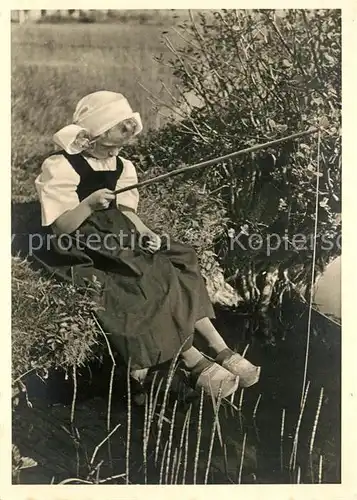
{"points": [[92, 180]]}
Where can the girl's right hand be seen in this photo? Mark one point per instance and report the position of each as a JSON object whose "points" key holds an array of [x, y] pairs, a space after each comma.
{"points": [[100, 199]]}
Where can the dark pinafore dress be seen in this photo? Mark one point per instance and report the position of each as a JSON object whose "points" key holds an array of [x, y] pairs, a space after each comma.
{"points": [[150, 302]]}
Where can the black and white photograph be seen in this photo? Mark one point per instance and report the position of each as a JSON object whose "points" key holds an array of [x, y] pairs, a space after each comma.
{"points": [[176, 246]]}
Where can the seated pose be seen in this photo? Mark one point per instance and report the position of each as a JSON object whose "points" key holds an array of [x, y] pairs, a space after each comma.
{"points": [[153, 298]]}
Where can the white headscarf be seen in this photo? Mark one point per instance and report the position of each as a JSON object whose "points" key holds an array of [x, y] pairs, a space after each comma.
{"points": [[95, 114]]}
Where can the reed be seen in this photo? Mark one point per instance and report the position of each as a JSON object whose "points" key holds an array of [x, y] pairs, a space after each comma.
{"points": [[239, 479], [245, 350], [145, 438], [317, 416], [94, 471], [298, 477], [151, 401], [173, 468], [154, 405], [213, 433], [171, 434], [75, 389], [240, 405], [241, 396], [199, 434], [163, 462], [164, 403], [320, 470], [74, 431], [87, 481], [128, 431], [292, 463], [225, 457], [231, 403], [76, 441], [227, 402], [215, 411], [97, 472], [256, 406], [110, 395], [186, 446], [101, 444], [109, 410], [75, 480], [178, 467], [183, 434], [110, 478], [282, 428], [111, 381]]}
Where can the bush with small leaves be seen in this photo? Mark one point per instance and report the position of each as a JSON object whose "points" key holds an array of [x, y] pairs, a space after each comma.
{"points": [[247, 77]]}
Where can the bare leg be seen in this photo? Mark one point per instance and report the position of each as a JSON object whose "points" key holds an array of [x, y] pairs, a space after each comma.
{"points": [[214, 339]]}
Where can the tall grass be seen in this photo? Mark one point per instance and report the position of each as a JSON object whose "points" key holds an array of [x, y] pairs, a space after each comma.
{"points": [[199, 435], [282, 428], [128, 433], [185, 447]]}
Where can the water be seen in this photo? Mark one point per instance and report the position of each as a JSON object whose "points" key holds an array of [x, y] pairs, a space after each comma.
{"points": [[266, 456], [281, 388]]}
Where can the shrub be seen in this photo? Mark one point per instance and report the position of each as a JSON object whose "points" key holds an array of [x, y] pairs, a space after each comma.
{"points": [[248, 77]]}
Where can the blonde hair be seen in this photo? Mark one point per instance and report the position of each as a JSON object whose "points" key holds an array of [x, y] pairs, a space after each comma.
{"points": [[131, 122]]}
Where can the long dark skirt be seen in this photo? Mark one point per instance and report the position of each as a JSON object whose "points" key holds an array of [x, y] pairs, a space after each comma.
{"points": [[150, 302]]}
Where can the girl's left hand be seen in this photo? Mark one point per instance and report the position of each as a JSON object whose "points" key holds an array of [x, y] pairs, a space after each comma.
{"points": [[150, 241]]}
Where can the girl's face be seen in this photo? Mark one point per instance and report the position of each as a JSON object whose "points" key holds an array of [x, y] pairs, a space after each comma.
{"points": [[110, 143]]}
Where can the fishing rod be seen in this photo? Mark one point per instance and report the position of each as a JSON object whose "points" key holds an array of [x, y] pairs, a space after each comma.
{"points": [[219, 159]]}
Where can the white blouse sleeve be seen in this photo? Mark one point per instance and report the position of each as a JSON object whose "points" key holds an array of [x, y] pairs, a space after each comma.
{"points": [[128, 198], [56, 188]]}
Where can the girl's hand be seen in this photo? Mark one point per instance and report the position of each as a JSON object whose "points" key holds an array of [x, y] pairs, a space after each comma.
{"points": [[150, 241], [100, 199]]}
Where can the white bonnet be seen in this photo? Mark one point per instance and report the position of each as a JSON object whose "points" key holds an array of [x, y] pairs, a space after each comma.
{"points": [[95, 114]]}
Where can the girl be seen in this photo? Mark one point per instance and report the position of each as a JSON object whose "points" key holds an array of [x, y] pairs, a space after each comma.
{"points": [[153, 298]]}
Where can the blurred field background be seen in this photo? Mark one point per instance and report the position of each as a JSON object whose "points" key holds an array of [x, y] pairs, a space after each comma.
{"points": [[53, 66]]}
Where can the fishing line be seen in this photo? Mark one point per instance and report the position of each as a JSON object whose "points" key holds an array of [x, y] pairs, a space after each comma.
{"points": [[313, 265]]}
